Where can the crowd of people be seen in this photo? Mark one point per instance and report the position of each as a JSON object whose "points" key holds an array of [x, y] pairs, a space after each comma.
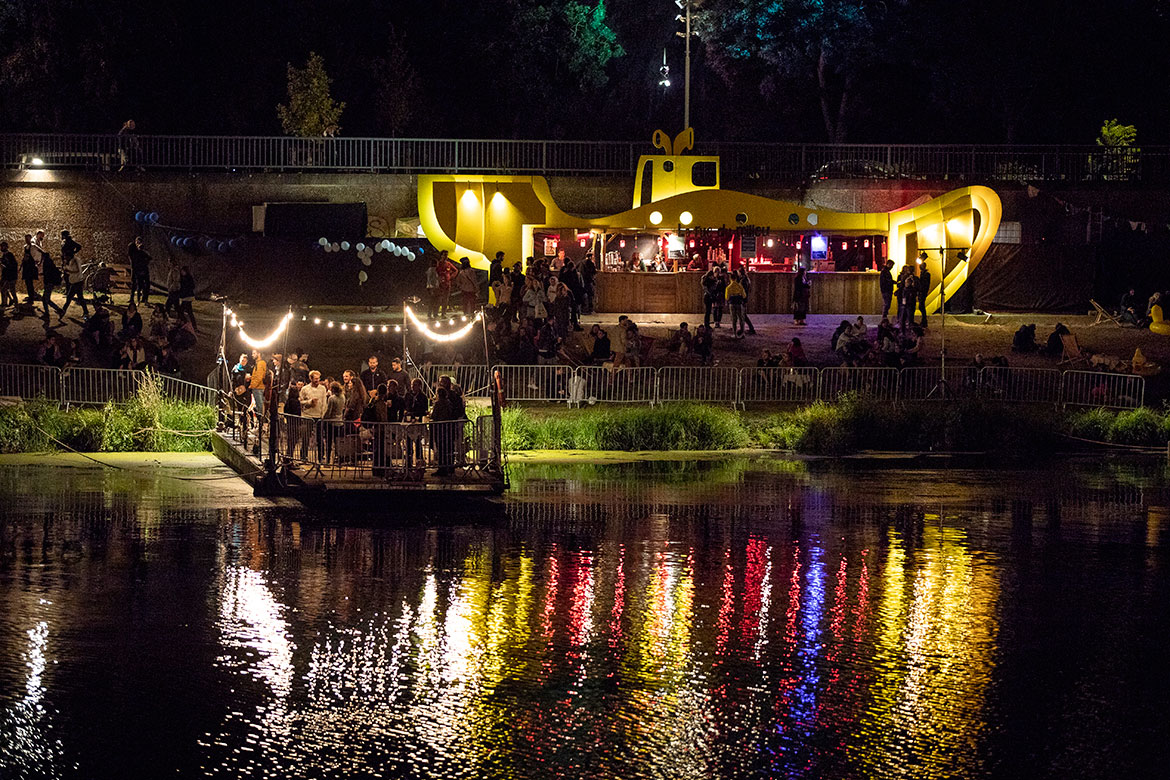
{"points": [[322, 412], [137, 335]]}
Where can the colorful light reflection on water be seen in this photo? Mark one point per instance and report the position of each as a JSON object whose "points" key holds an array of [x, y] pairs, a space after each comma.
{"points": [[775, 623]]}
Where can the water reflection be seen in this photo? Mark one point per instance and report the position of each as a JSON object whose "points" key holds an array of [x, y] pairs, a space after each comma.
{"points": [[768, 620]]}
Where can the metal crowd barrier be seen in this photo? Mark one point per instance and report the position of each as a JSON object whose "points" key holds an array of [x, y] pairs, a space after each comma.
{"points": [[27, 381], [621, 385], [875, 382], [536, 383], [719, 384], [783, 385], [925, 383], [1021, 385], [474, 379], [97, 386], [188, 392], [1097, 388], [598, 384]]}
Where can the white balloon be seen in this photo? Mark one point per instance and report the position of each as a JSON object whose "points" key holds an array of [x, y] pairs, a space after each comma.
{"points": [[378, 247], [323, 241], [410, 256], [360, 247], [335, 247], [345, 246], [386, 244]]}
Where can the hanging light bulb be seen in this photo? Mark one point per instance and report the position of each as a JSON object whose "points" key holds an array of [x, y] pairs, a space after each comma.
{"points": [[316, 320], [344, 326], [370, 329], [451, 321], [463, 318], [384, 328], [331, 323]]}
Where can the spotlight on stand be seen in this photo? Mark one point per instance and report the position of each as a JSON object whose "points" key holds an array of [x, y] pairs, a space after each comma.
{"points": [[664, 72], [962, 256]]}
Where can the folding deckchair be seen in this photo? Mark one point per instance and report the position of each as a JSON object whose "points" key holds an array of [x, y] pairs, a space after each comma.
{"points": [[1072, 351], [1104, 315]]}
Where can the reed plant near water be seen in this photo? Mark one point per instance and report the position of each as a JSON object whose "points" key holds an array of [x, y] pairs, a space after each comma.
{"points": [[149, 422]]}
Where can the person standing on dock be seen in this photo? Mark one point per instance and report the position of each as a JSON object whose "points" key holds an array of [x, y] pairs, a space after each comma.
{"points": [[372, 377], [314, 399]]}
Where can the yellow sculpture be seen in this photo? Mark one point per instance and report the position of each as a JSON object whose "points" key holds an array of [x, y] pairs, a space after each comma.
{"points": [[475, 216]]}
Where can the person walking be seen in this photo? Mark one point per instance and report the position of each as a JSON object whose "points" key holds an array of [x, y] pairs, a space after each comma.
{"points": [[886, 286], [28, 269], [800, 297], [736, 297], [74, 284], [51, 278], [9, 271], [745, 281]]}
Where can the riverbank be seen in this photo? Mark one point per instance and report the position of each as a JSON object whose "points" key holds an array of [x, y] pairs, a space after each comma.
{"points": [[149, 424]]}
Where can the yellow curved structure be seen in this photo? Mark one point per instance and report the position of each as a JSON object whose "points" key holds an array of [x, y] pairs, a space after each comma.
{"points": [[475, 216]]}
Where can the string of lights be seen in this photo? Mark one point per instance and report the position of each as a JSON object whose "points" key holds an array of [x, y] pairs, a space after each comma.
{"points": [[431, 331]]}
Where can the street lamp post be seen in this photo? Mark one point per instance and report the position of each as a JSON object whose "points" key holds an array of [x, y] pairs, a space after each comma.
{"points": [[941, 387], [685, 18]]}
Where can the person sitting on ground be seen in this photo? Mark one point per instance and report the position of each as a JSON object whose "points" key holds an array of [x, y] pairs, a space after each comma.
{"points": [[1054, 346], [547, 342], [1024, 339], [837, 334], [168, 361], [767, 359], [680, 340], [131, 323], [602, 350], [182, 335], [890, 348], [98, 330], [1127, 311], [912, 344], [703, 344], [860, 331], [133, 354], [160, 324], [794, 355], [885, 329], [56, 351]]}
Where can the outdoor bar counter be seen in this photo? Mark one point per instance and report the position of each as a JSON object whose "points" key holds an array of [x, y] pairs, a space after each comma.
{"points": [[848, 292]]}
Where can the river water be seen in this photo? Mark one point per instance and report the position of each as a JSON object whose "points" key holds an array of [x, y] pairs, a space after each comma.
{"points": [[738, 618]]}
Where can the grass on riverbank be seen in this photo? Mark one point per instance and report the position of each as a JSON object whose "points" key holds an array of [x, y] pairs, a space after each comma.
{"points": [[147, 423], [850, 425]]}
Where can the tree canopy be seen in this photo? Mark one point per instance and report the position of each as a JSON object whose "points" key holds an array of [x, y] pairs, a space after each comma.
{"points": [[311, 110]]}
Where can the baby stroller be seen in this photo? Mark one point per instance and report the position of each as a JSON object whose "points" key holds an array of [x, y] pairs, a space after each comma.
{"points": [[98, 279]]}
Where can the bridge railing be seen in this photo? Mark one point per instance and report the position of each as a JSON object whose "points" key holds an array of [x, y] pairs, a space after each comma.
{"points": [[740, 160]]}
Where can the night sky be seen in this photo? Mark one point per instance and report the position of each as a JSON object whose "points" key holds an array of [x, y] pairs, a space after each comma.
{"points": [[913, 70]]}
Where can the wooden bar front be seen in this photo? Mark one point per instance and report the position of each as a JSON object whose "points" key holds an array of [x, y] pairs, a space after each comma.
{"points": [[681, 293]]}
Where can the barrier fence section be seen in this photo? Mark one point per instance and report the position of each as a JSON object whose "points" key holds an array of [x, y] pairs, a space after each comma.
{"points": [[1021, 385], [188, 392], [877, 383], [475, 380], [782, 385], [536, 383], [623, 385], [925, 383], [696, 383], [96, 386], [1096, 388], [598, 384], [30, 381]]}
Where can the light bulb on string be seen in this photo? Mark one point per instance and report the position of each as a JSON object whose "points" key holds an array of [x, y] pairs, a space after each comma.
{"points": [[316, 320], [331, 323], [344, 326], [370, 329], [384, 328], [451, 321], [463, 318], [397, 328]]}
